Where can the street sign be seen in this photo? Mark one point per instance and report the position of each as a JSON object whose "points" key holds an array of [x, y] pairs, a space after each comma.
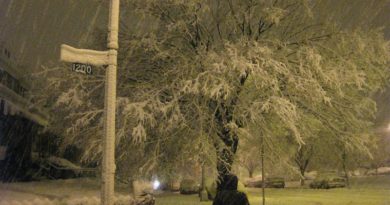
{"points": [[82, 68], [85, 56], [98, 58]]}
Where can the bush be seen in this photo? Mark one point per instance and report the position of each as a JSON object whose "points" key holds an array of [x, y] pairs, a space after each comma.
{"points": [[274, 182], [319, 184], [328, 181], [172, 186], [189, 186], [254, 183], [211, 188]]}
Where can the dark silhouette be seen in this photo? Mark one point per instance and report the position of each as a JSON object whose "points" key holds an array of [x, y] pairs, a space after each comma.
{"points": [[227, 193]]}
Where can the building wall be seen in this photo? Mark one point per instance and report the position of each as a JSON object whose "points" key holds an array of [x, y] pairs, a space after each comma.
{"points": [[17, 128], [16, 137]]}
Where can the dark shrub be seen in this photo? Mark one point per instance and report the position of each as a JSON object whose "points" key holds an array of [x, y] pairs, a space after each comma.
{"points": [[227, 193], [328, 181], [273, 182], [189, 186]]}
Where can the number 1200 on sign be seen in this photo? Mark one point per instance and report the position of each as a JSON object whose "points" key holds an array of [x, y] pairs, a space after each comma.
{"points": [[82, 68]]}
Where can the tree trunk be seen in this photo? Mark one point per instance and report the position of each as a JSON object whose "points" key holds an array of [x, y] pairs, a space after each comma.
{"points": [[302, 170], [302, 160], [224, 165], [227, 149], [344, 157], [302, 180], [376, 170], [203, 177], [250, 173], [226, 152], [262, 170], [203, 193]]}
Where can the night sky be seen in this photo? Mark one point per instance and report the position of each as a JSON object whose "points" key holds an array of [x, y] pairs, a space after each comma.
{"points": [[34, 30]]}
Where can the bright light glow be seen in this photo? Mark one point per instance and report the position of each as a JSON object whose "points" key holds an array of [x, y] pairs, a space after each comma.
{"points": [[156, 184], [388, 128]]}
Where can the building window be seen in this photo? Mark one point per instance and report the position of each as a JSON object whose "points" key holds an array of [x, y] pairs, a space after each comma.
{"points": [[7, 53], [12, 83]]}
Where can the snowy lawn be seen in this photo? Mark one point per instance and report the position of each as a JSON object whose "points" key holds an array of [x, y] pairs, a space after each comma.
{"points": [[363, 191], [53, 190]]}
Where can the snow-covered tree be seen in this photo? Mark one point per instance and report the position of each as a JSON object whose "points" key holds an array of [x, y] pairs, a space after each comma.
{"points": [[205, 73]]}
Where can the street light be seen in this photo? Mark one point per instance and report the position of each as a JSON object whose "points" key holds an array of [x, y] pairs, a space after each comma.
{"points": [[109, 57]]}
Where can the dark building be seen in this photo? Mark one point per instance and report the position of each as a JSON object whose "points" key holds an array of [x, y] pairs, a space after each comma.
{"points": [[19, 122]]}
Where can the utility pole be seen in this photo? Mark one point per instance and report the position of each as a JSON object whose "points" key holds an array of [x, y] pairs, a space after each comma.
{"points": [[99, 58]]}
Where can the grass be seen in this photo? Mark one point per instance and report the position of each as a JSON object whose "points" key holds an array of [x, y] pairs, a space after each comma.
{"points": [[363, 191]]}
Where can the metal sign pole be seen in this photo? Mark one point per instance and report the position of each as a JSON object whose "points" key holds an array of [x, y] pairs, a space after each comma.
{"points": [[108, 175], [84, 58]]}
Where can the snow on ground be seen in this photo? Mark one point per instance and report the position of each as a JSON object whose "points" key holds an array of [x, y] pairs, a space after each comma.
{"points": [[55, 190]]}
